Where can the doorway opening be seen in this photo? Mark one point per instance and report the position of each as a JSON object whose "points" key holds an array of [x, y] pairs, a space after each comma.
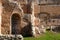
{"points": [[15, 21]]}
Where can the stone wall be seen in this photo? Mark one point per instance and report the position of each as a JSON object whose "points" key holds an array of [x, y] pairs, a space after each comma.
{"points": [[51, 9], [1, 8], [11, 8], [8, 10]]}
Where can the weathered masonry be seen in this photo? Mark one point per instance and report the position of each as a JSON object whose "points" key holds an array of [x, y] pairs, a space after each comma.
{"points": [[28, 17], [12, 19]]}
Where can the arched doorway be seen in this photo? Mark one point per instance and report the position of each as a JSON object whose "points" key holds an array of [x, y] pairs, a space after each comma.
{"points": [[15, 21]]}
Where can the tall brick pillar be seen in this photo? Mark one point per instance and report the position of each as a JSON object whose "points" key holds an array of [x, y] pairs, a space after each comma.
{"points": [[0, 14]]}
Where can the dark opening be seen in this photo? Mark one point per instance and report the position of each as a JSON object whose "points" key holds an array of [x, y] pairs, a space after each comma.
{"points": [[15, 21], [27, 30], [56, 29]]}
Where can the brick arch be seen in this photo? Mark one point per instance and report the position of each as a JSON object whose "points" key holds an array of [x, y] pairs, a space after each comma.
{"points": [[45, 17], [44, 14], [15, 23]]}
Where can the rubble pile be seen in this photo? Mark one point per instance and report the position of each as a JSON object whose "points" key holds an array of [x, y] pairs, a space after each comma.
{"points": [[11, 37]]}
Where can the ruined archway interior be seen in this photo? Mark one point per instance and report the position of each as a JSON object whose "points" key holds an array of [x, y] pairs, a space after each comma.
{"points": [[15, 21]]}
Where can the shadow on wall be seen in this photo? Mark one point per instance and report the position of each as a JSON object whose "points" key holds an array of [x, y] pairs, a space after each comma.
{"points": [[27, 30], [56, 29]]}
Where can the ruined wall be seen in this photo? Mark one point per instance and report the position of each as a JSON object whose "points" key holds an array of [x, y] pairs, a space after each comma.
{"points": [[1, 8], [51, 9], [7, 13], [11, 8], [8, 10]]}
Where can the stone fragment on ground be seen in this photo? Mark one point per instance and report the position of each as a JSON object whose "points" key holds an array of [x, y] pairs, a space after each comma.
{"points": [[11, 37]]}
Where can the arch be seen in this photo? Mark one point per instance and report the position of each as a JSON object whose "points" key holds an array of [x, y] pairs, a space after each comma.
{"points": [[15, 23], [44, 14]]}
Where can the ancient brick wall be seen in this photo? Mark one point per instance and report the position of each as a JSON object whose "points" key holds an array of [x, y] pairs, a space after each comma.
{"points": [[24, 26], [10, 8], [51, 9], [8, 11]]}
